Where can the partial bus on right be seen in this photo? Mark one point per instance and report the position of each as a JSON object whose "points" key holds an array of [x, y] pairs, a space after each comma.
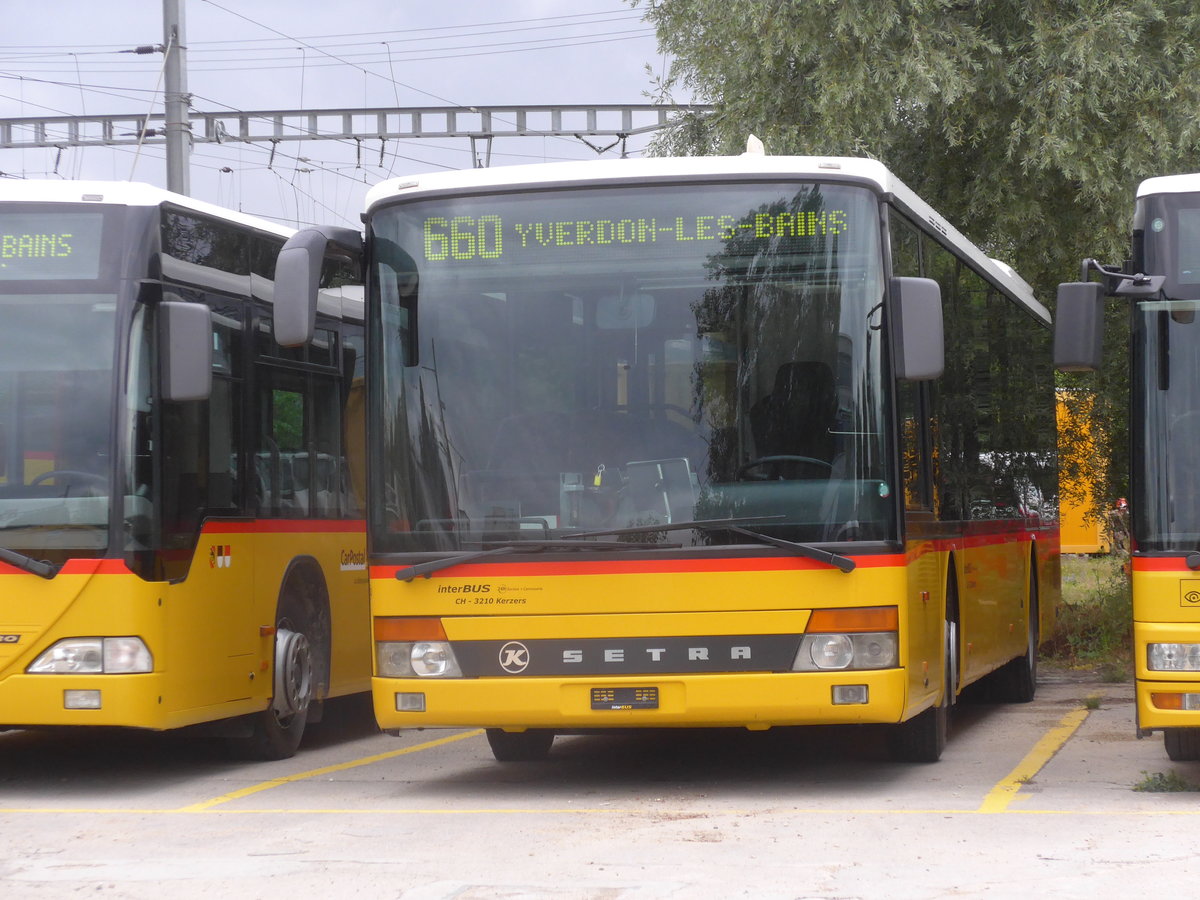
{"points": [[1161, 283]]}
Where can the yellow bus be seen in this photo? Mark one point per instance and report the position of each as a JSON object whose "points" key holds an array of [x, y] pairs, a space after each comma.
{"points": [[1083, 528], [679, 443], [1161, 284], [181, 541]]}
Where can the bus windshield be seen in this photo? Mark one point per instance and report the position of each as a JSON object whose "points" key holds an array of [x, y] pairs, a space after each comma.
{"points": [[56, 357], [1166, 375], [575, 360], [58, 302]]}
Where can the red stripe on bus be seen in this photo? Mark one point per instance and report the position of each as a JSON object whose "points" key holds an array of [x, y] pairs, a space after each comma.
{"points": [[1160, 564], [78, 567], [646, 567], [922, 546], [286, 526]]}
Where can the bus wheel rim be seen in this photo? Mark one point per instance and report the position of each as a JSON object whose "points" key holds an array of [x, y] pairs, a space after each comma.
{"points": [[293, 673]]}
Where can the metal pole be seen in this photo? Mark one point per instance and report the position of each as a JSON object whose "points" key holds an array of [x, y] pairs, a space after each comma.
{"points": [[176, 98]]}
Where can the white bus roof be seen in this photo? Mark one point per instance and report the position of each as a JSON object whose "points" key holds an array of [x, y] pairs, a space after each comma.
{"points": [[123, 193], [609, 171], [1170, 184]]}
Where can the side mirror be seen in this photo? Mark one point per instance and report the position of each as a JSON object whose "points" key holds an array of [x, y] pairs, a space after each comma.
{"points": [[918, 341], [298, 280], [1079, 326], [185, 350]]}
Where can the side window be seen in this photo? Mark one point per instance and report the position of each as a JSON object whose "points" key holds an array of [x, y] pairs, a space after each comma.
{"points": [[200, 243], [962, 397], [354, 481], [913, 445], [298, 464], [911, 397], [905, 246]]}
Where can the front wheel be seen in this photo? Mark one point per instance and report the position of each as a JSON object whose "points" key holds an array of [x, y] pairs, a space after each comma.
{"points": [[1182, 744], [520, 746], [275, 733], [923, 737]]}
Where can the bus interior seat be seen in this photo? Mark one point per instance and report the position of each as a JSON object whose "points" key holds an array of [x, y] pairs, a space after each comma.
{"points": [[531, 452]]}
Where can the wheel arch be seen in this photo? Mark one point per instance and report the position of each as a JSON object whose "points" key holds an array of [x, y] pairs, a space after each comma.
{"points": [[303, 600]]}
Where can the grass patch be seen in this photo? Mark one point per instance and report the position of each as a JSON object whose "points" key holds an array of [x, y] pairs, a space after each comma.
{"points": [[1095, 618], [1164, 783], [1092, 701]]}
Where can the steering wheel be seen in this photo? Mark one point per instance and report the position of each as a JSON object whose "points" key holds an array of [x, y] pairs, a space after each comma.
{"points": [[781, 460]]}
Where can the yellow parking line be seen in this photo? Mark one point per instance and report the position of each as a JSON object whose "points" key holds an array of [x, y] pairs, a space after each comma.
{"points": [[1005, 791], [654, 814], [314, 773]]}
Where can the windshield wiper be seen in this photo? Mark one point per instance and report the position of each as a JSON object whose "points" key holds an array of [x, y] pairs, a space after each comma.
{"points": [[496, 548], [845, 563], [39, 567]]}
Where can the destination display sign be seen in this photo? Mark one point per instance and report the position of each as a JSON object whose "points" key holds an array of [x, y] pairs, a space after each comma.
{"points": [[42, 246], [469, 238]]}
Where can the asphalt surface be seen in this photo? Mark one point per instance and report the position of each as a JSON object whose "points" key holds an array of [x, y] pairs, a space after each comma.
{"points": [[1036, 797]]}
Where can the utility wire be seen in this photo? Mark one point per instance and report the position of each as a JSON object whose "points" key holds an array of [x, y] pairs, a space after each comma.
{"points": [[324, 53], [112, 48]]}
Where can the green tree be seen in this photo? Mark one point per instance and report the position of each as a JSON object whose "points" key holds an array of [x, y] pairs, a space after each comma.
{"points": [[1028, 123]]}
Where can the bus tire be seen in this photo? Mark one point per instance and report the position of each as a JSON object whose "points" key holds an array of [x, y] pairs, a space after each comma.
{"points": [[520, 746], [1182, 744], [301, 636], [1016, 680], [923, 737]]}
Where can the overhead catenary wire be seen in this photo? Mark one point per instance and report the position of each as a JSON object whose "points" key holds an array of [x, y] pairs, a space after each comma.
{"points": [[419, 32], [381, 61], [343, 61]]}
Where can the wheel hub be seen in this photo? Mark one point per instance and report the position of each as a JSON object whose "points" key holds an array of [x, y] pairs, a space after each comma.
{"points": [[293, 673]]}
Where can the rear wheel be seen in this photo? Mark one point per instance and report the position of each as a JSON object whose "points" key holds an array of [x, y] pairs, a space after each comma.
{"points": [[520, 746], [1182, 744], [1016, 680]]}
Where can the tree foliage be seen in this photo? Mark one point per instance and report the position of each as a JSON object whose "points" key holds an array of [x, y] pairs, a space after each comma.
{"points": [[1028, 123]]}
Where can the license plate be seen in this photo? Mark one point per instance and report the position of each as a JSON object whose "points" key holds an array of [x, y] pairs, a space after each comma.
{"points": [[625, 698]]}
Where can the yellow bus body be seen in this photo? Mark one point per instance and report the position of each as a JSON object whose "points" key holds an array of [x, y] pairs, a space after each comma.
{"points": [[1166, 609], [1080, 521], [211, 635], [740, 595]]}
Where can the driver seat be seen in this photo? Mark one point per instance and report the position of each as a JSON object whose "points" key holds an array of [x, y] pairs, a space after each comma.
{"points": [[796, 417]]}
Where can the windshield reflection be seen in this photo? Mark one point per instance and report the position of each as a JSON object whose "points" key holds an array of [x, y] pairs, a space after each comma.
{"points": [[56, 355], [607, 370]]}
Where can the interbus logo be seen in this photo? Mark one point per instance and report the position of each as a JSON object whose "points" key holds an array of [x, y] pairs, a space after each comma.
{"points": [[9, 638], [514, 657]]}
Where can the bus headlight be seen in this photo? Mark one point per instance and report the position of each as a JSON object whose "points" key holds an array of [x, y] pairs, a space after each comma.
{"points": [[416, 659], [1173, 657], [94, 656], [826, 652], [845, 638]]}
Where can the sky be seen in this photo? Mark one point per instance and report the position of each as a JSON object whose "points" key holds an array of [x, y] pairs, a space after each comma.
{"points": [[64, 58]]}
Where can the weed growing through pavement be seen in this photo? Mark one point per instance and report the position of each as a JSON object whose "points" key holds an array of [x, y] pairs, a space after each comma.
{"points": [[1164, 783]]}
